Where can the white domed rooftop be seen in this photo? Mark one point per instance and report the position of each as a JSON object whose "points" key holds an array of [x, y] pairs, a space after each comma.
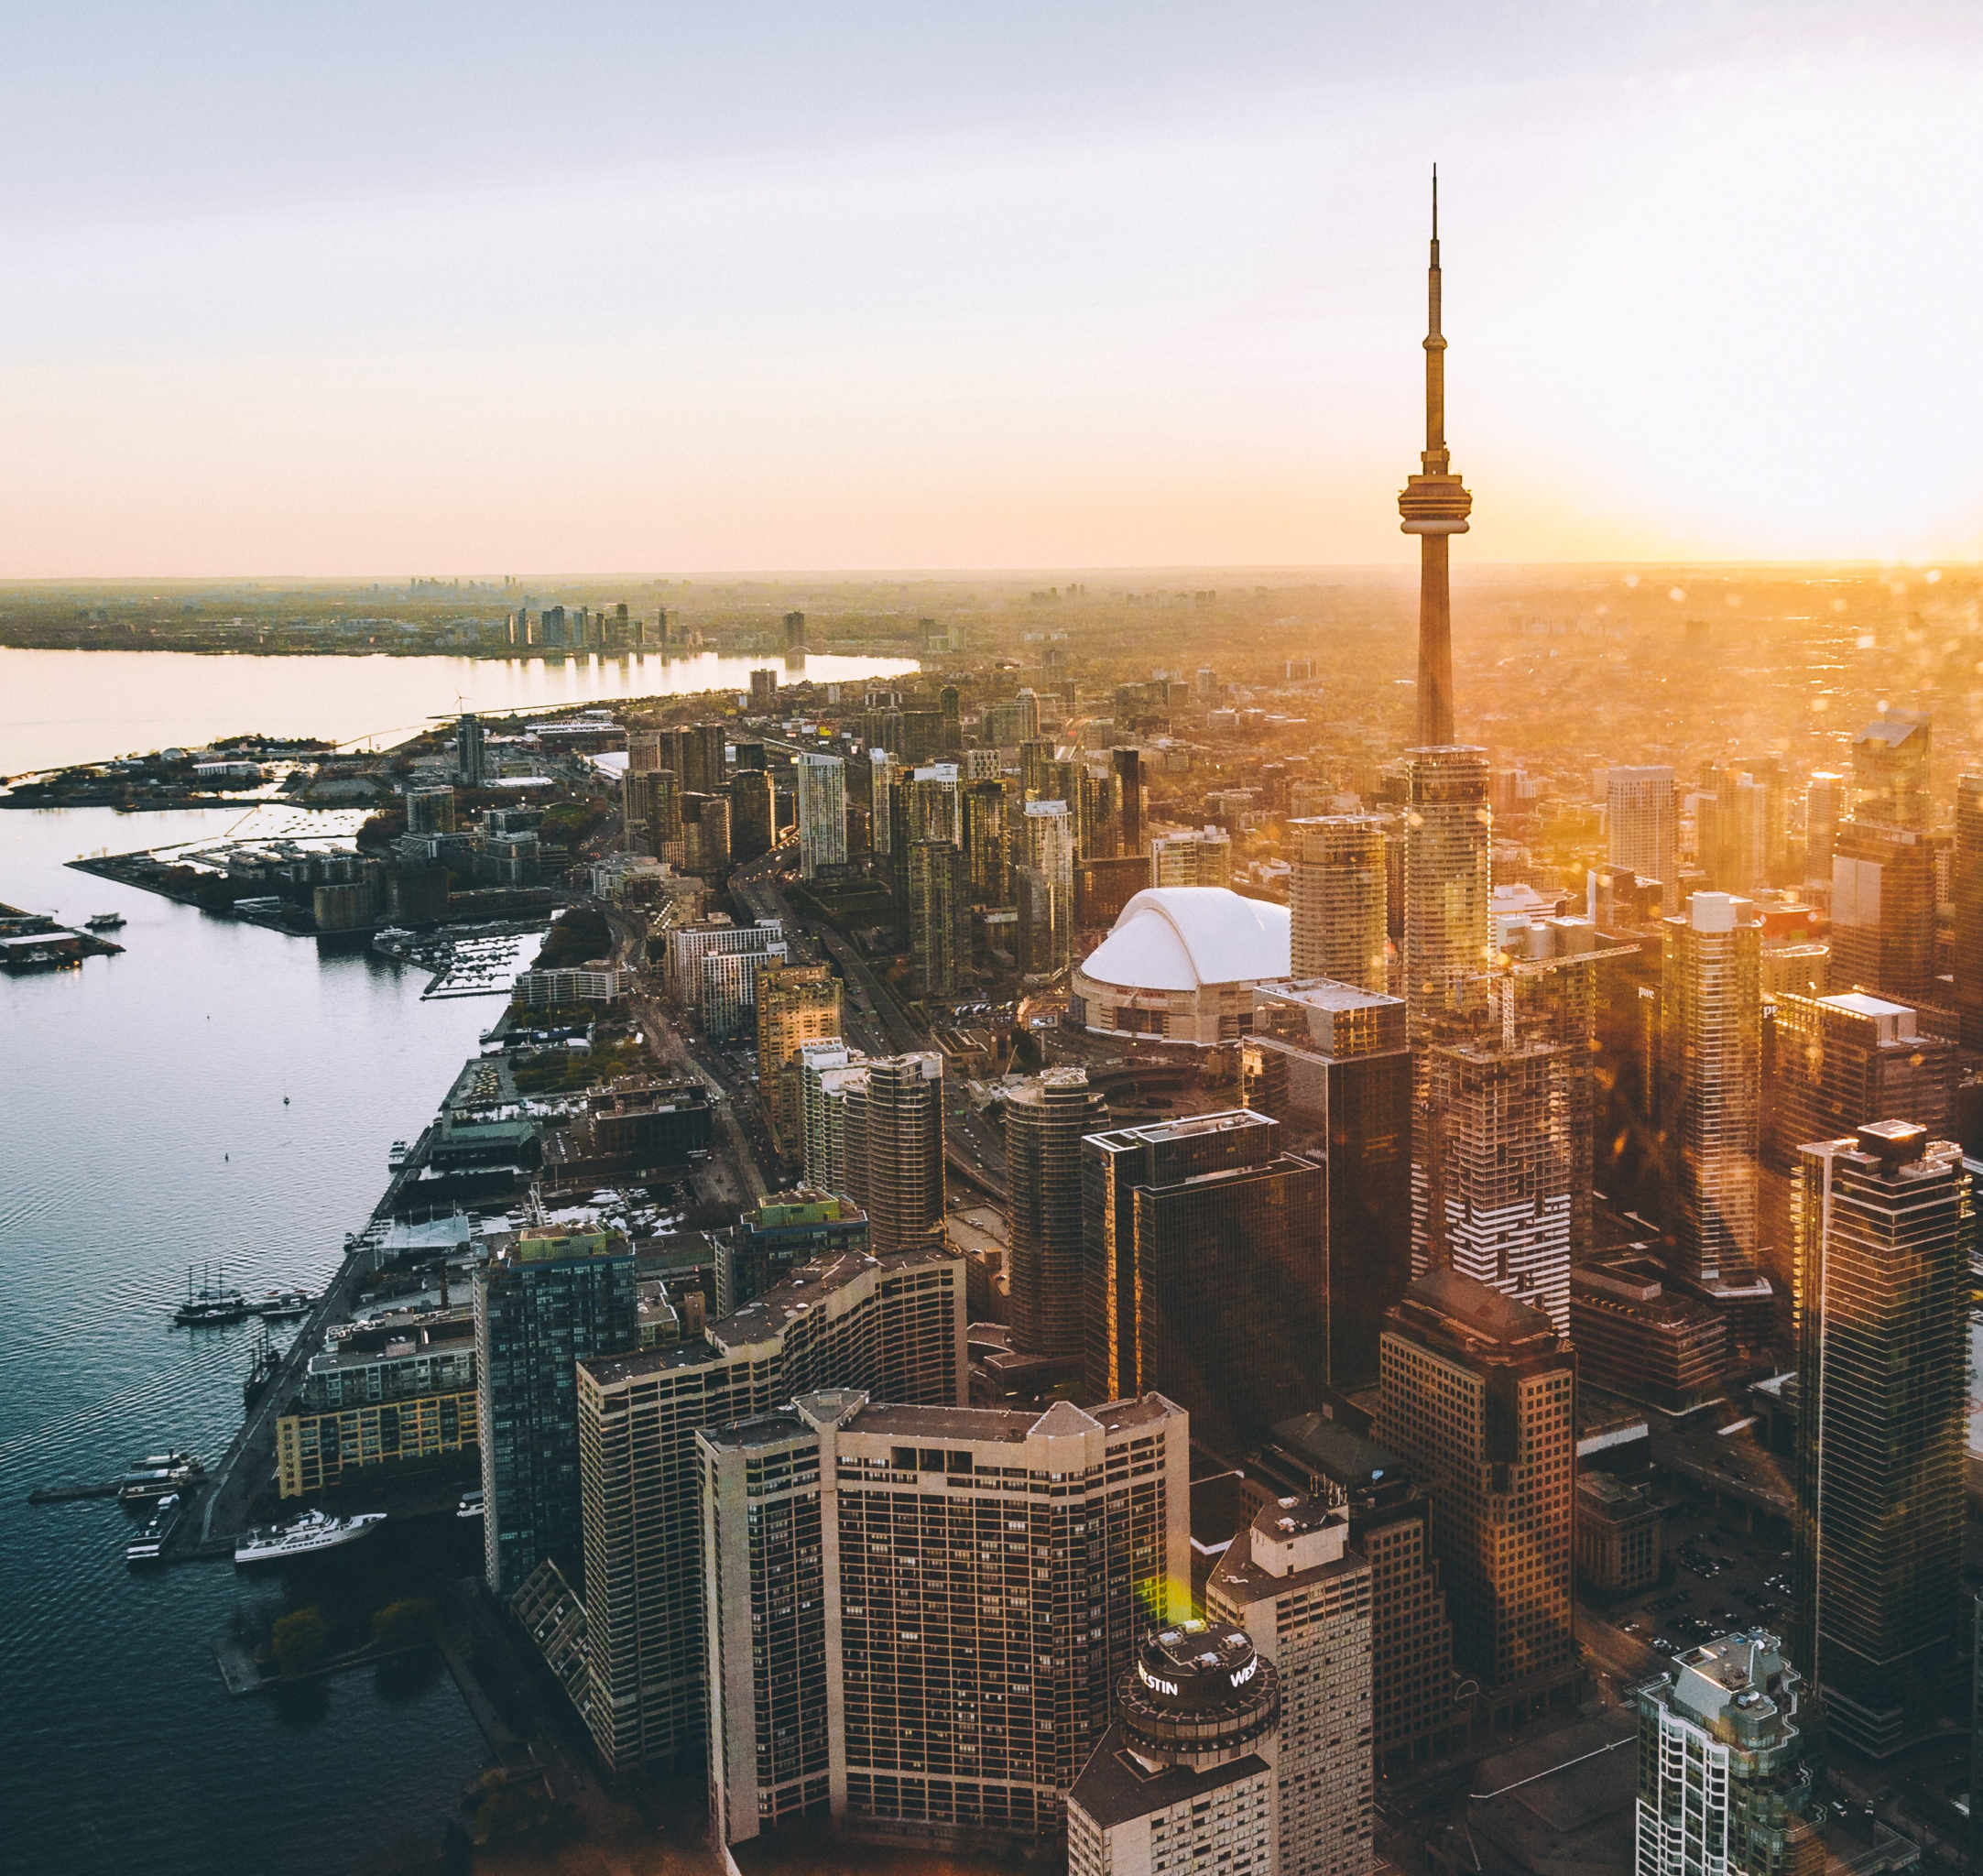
{"points": [[1178, 937]]}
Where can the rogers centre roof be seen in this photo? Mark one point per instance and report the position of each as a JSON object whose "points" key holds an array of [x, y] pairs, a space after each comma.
{"points": [[1178, 937]]}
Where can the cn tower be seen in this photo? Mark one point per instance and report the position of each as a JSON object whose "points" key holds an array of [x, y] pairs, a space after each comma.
{"points": [[1434, 503]]}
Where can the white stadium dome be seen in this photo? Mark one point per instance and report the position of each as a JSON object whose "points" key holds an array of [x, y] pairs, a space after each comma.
{"points": [[1181, 963]]}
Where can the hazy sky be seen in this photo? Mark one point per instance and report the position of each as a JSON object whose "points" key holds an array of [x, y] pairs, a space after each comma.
{"points": [[450, 288]]}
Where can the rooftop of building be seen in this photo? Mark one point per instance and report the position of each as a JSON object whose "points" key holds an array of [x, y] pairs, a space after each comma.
{"points": [[1115, 1786], [1182, 937], [945, 1427], [401, 1334], [1479, 1312], [1189, 1126], [1325, 993], [1335, 1450], [767, 1315]]}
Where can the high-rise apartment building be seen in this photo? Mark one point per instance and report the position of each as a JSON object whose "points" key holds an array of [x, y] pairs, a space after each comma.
{"points": [[822, 787], [938, 916], [1882, 1222], [1348, 1072], [1417, 1711], [825, 1070], [1337, 899], [919, 1616], [1202, 1250], [1448, 877], [1711, 1084], [986, 848], [1839, 1061], [708, 837], [548, 1301], [763, 693], [795, 631], [1202, 857], [752, 808], [1476, 1400], [894, 1148], [894, 1324], [782, 1233], [1046, 1117], [1883, 888], [1126, 766], [935, 803], [1184, 1780], [470, 751], [1293, 1582], [703, 762], [1825, 807], [1049, 852], [1642, 826], [1725, 1763], [1967, 892], [796, 1004]]}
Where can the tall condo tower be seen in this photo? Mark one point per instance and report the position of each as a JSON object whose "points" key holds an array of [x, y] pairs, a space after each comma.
{"points": [[1434, 503], [1448, 877], [1047, 1118], [1338, 900]]}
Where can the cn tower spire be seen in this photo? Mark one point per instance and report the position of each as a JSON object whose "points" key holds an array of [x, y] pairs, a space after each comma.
{"points": [[1434, 503]]}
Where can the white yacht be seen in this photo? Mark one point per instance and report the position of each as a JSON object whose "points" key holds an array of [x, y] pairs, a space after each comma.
{"points": [[313, 1531]]}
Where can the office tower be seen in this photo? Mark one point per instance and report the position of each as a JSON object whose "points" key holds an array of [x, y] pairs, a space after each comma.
{"points": [[1049, 852], [1448, 877], [986, 866], [1126, 766], [824, 1071], [795, 631], [1046, 1117], [1967, 894], [894, 1324], [1416, 1709], [782, 1233], [821, 782], [1202, 857], [920, 1616], [877, 781], [712, 835], [702, 760], [1184, 1779], [548, 1301], [430, 811], [950, 733], [1477, 1400], [1202, 1248], [796, 1004], [764, 693], [1292, 1583], [1839, 1061], [1104, 887], [895, 1148], [938, 931], [1882, 1222], [1889, 772], [1036, 768], [1435, 505], [1711, 1085], [1643, 1341], [1726, 1764], [751, 808], [1825, 807], [1337, 896], [471, 752], [1348, 1072], [1883, 894], [643, 752], [1642, 824]]}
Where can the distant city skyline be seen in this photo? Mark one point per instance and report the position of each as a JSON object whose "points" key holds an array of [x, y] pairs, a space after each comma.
{"points": [[1009, 291]]}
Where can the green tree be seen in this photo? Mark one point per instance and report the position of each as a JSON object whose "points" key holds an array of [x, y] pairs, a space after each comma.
{"points": [[299, 1639], [399, 1624]]}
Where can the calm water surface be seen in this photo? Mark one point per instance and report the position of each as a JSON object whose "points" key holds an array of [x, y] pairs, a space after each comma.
{"points": [[86, 706], [142, 1128]]}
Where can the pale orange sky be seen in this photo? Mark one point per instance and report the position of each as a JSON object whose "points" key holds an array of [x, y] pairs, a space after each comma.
{"points": [[492, 290]]}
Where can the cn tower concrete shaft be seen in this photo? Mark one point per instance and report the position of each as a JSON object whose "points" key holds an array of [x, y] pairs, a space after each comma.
{"points": [[1434, 503]]}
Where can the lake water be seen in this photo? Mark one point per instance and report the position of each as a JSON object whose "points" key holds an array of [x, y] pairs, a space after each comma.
{"points": [[58, 707], [141, 1099]]}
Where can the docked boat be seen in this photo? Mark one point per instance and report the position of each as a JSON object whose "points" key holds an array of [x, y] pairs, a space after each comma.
{"points": [[148, 1545], [312, 1533], [280, 1305], [214, 1306], [398, 1156], [265, 1366], [158, 1477], [106, 921], [471, 1504]]}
